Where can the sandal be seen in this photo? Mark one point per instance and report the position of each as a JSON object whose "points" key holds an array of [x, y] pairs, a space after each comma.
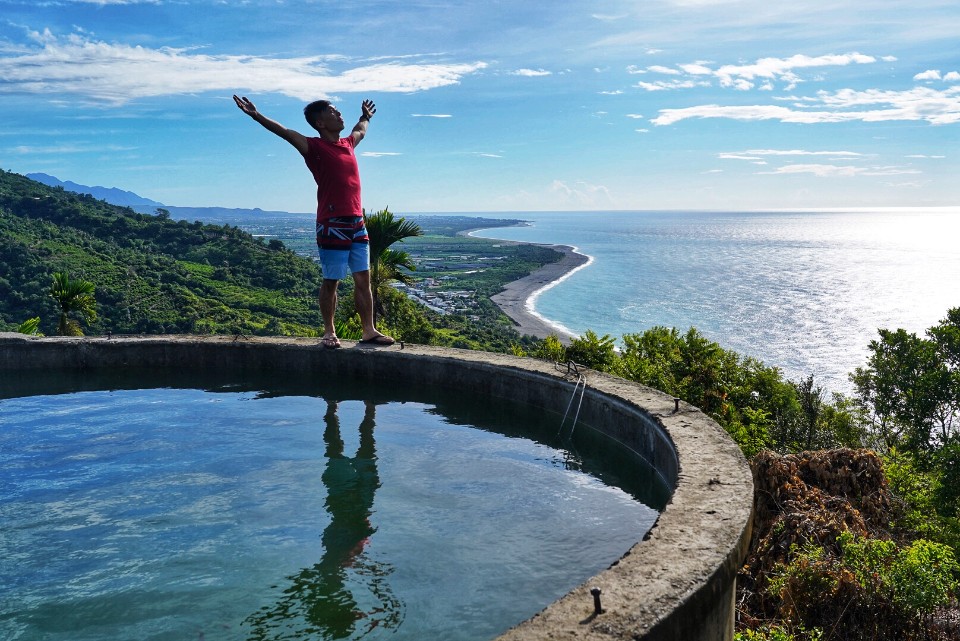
{"points": [[330, 342]]}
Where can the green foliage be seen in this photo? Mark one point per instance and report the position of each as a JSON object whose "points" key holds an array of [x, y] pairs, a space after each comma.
{"points": [[387, 264], [915, 579], [384, 230], [30, 327], [750, 429], [550, 349], [910, 396], [405, 320], [870, 588], [597, 352], [73, 297], [777, 633], [803, 584], [922, 576], [909, 389], [926, 507], [152, 274], [753, 402], [947, 495], [350, 329]]}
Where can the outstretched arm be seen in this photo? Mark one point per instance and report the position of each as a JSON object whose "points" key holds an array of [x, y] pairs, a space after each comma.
{"points": [[360, 129], [295, 138]]}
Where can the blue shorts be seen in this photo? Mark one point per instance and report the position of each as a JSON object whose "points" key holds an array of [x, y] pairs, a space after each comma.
{"points": [[335, 262], [343, 244]]}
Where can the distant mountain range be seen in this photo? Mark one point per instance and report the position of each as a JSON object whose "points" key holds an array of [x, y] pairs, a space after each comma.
{"points": [[112, 195]]}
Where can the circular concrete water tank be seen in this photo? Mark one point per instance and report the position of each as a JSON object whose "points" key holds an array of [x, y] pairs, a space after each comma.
{"points": [[677, 583]]}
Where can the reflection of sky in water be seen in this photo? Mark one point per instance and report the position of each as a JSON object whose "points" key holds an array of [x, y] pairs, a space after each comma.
{"points": [[805, 292], [183, 513]]}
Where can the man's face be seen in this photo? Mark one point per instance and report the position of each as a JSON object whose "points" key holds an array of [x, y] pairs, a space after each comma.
{"points": [[330, 119]]}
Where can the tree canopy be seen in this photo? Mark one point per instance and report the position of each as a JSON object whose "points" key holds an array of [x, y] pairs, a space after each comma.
{"points": [[152, 274]]}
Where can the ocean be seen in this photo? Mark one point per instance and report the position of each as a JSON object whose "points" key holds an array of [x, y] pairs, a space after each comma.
{"points": [[802, 291]]}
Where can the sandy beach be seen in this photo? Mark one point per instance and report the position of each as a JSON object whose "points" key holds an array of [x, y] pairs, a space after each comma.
{"points": [[513, 299]]}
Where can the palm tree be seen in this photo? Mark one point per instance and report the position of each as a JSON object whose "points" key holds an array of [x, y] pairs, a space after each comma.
{"points": [[73, 296], [385, 264]]}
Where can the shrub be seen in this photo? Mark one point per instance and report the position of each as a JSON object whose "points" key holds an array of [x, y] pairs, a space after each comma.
{"points": [[596, 352], [550, 349], [777, 633]]}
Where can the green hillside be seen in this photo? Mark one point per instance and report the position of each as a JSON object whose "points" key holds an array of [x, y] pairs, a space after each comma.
{"points": [[152, 274]]}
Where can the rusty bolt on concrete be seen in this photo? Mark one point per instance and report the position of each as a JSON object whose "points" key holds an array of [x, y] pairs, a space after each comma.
{"points": [[597, 609]]}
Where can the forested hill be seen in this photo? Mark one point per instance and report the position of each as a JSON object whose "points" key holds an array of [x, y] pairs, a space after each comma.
{"points": [[152, 274]]}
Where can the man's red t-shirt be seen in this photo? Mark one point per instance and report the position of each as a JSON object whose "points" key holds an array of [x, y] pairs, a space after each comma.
{"points": [[334, 167]]}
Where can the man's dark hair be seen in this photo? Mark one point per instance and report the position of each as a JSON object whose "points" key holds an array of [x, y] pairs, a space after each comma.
{"points": [[311, 111]]}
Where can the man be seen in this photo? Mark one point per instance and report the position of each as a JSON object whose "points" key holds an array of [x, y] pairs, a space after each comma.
{"points": [[341, 233]]}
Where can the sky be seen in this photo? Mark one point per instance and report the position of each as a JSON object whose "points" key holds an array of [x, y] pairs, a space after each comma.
{"points": [[510, 105]]}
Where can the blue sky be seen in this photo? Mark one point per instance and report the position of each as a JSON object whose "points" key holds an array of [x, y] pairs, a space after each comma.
{"points": [[495, 105]]}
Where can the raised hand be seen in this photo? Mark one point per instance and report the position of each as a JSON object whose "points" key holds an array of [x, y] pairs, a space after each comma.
{"points": [[368, 109], [245, 105]]}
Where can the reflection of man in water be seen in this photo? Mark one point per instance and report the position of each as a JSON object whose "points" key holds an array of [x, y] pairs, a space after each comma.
{"points": [[351, 484], [324, 598]]}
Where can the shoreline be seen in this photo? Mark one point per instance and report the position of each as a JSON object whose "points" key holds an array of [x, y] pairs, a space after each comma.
{"points": [[517, 298]]}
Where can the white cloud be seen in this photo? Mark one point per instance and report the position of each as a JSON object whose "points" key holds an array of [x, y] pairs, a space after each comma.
{"points": [[953, 76], [68, 149], [800, 152], [616, 92], [665, 85], [829, 171], [783, 69], [697, 69], [581, 193], [914, 184], [929, 74], [735, 156], [431, 115], [531, 73], [558, 195], [608, 17], [846, 105], [664, 70], [635, 116], [919, 103], [379, 154], [118, 73], [762, 74]]}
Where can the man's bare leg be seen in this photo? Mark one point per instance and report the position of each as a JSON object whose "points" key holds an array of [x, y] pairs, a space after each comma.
{"points": [[328, 307], [363, 298]]}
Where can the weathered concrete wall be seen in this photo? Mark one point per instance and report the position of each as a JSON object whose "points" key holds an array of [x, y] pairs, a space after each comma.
{"points": [[678, 583]]}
